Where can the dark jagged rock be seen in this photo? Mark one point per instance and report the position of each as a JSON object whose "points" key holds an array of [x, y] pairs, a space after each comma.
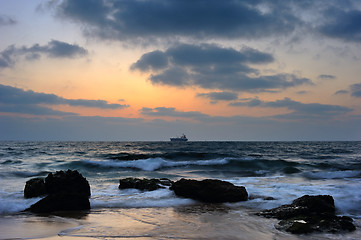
{"points": [[317, 223], [67, 182], [66, 191], [34, 187], [143, 184], [305, 205], [209, 190], [61, 202], [308, 214]]}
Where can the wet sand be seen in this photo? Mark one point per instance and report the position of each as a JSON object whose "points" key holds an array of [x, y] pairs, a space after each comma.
{"points": [[187, 222]]}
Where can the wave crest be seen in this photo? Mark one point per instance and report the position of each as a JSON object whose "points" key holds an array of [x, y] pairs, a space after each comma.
{"points": [[152, 164]]}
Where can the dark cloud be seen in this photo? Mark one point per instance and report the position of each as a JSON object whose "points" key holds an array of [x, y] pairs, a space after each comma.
{"points": [[7, 57], [342, 24], [6, 20], [341, 92], [206, 54], [18, 100], [211, 19], [302, 92], [219, 96], [54, 49], [171, 18], [155, 60], [13, 95], [254, 102], [60, 49], [173, 76], [355, 90], [171, 112], [213, 67], [326, 77], [32, 109], [94, 103], [297, 108], [311, 108]]}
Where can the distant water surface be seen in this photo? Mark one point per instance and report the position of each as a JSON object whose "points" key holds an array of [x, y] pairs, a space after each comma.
{"points": [[279, 170]]}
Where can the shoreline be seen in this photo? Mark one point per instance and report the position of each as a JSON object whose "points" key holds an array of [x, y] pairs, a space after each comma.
{"points": [[201, 221]]}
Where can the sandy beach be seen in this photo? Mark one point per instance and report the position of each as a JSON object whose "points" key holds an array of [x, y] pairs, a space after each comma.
{"points": [[186, 222]]}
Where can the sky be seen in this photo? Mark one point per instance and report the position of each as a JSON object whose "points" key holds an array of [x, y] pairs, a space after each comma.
{"points": [[147, 70]]}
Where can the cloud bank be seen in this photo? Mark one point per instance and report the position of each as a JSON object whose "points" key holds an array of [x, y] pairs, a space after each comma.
{"points": [[298, 110], [219, 96], [16, 100], [54, 49], [202, 19], [213, 67], [171, 18]]}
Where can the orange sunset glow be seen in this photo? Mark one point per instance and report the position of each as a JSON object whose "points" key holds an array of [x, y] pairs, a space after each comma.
{"points": [[160, 73]]}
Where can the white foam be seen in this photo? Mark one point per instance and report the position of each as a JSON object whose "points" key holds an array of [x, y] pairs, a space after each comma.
{"points": [[14, 202], [333, 175], [346, 192], [152, 164], [132, 198]]}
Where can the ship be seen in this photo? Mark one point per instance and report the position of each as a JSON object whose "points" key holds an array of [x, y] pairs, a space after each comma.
{"points": [[182, 138]]}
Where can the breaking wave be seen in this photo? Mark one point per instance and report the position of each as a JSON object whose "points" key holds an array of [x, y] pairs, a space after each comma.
{"points": [[152, 164]]}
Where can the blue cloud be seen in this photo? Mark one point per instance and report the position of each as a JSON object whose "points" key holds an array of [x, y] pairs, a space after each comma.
{"points": [[54, 49], [171, 112], [33, 110], [16, 100], [7, 57], [302, 110], [339, 92], [342, 24], [326, 77], [219, 96], [155, 60], [355, 90], [171, 18], [205, 54], [213, 67], [210, 19]]}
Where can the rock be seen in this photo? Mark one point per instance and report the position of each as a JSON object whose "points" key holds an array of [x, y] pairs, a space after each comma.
{"points": [[317, 223], [66, 191], [61, 202], [305, 205], [209, 190], [291, 170], [67, 182], [34, 187], [316, 204], [143, 184], [308, 214]]}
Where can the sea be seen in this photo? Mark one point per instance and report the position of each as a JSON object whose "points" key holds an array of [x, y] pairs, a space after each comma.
{"points": [[273, 173]]}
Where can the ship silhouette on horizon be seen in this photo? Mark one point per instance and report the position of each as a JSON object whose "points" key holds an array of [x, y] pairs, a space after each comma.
{"points": [[182, 138]]}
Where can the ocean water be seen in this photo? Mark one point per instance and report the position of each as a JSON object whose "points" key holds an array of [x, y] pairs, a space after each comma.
{"points": [[280, 170]]}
